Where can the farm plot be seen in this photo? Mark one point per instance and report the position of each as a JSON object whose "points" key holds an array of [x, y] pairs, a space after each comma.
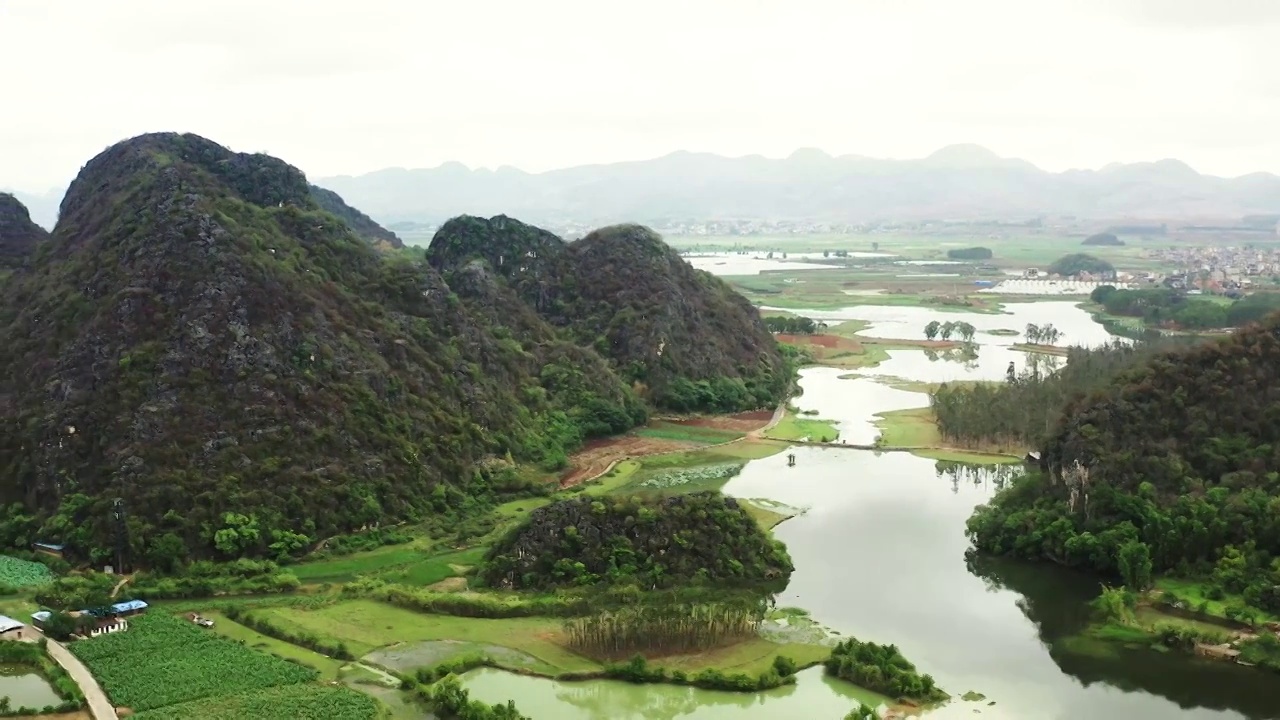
{"points": [[162, 660], [291, 702], [17, 573], [691, 479]]}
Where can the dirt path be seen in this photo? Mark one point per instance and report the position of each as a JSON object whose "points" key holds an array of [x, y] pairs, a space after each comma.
{"points": [[778, 413], [116, 590], [99, 705]]}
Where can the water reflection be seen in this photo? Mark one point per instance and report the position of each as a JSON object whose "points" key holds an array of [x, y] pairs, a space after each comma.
{"points": [[987, 477], [905, 322], [1056, 601], [813, 695]]}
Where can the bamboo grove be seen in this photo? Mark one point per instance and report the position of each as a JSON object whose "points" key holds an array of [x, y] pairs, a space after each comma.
{"points": [[669, 627]]}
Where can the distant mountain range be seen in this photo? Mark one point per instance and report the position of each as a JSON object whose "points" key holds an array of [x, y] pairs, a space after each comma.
{"points": [[959, 182]]}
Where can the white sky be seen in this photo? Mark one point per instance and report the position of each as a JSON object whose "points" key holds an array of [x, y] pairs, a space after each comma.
{"points": [[350, 87]]}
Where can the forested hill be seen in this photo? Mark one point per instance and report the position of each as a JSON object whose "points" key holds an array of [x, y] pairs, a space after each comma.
{"points": [[18, 235], [214, 343], [651, 542], [683, 336], [1163, 467]]}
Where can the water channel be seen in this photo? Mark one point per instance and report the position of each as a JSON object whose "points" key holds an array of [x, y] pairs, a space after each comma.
{"points": [[880, 554]]}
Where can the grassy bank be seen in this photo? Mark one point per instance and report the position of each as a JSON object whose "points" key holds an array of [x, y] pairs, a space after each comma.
{"points": [[1200, 597], [795, 426], [1040, 349], [402, 640], [915, 428]]}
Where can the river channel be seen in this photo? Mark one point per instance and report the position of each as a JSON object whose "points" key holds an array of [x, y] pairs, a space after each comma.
{"points": [[880, 554]]}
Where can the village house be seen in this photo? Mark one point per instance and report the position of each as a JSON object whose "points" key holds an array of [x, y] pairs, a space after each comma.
{"points": [[11, 629], [47, 548], [104, 620]]}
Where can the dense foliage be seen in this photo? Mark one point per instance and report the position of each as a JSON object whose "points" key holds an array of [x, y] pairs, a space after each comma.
{"points": [[654, 542], [793, 325], [1171, 465], [197, 664], [639, 671], [971, 253], [362, 224], [1103, 238], [289, 702], [670, 627], [1077, 263], [19, 236], [1175, 308], [1023, 412], [203, 338], [683, 336], [201, 578], [882, 669]]}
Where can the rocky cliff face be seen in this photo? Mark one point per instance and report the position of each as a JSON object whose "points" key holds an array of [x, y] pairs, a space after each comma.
{"points": [[206, 342], [18, 234]]}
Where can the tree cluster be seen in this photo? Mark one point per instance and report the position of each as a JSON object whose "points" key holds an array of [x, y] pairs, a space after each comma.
{"points": [[1167, 464], [882, 669], [1043, 334], [793, 325], [1104, 238], [1174, 308], [700, 538], [1026, 409], [945, 330], [972, 253], [1078, 263]]}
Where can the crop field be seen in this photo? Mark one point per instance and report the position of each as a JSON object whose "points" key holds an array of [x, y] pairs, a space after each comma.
{"points": [[684, 480], [17, 573], [430, 570], [163, 661], [344, 568], [366, 625], [597, 455], [290, 702]]}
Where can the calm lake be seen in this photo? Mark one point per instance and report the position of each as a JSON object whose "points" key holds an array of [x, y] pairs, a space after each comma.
{"points": [[880, 554]]}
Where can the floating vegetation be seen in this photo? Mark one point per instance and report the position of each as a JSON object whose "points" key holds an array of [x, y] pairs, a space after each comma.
{"points": [[692, 476]]}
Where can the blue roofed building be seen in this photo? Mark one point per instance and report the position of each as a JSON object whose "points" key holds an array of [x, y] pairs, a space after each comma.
{"points": [[129, 607]]}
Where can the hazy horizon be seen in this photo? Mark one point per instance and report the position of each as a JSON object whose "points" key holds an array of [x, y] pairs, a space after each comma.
{"points": [[494, 168], [487, 84]]}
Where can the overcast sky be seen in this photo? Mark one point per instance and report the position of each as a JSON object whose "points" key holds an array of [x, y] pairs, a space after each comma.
{"points": [[350, 87]]}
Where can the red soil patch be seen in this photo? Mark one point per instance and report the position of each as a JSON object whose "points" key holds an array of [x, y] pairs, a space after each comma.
{"points": [[742, 422], [826, 341], [596, 455]]}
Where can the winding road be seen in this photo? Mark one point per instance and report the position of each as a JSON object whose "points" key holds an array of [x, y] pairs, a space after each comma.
{"points": [[99, 706]]}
